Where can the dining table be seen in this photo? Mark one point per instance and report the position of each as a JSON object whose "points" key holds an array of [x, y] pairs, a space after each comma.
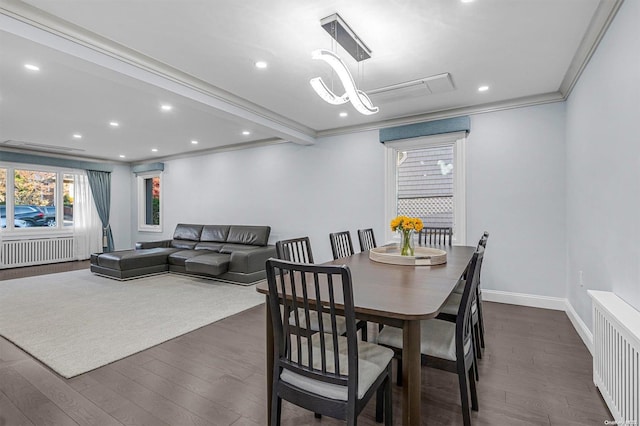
{"points": [[395, 295]]}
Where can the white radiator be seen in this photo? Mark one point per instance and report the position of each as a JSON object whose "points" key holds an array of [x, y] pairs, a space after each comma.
{"points": [[616, 355], [35, 251]]}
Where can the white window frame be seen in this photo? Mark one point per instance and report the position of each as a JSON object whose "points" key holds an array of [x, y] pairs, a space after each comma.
{"points": [[141, 177], [458, 140], [11, 232]]}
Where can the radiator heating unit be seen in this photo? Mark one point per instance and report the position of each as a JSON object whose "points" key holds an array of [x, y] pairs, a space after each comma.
{"points": [[616, 355], [37, 251]]}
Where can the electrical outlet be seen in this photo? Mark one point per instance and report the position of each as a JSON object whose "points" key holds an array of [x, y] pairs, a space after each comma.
{"points": [[580, 280]]}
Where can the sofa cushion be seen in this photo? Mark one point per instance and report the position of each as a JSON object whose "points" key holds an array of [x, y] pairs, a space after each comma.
{"points": [[230, 248], [186, 231], [179, 257], [208, 264], [183, 244], [209, 246], [253, 235], [215, 233]]}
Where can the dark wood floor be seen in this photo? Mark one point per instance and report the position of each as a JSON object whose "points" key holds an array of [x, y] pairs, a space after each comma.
{"points": [[536, 371]]}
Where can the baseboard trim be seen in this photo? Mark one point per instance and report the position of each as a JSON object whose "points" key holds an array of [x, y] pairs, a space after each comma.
{"points": [[543, 302], [531, 300], [582, 329]]}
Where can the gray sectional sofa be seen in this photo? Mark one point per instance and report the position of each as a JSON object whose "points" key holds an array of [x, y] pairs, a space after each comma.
{"points": [[234, 253]]}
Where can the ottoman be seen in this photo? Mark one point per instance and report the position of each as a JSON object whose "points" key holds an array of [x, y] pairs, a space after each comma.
{"points": [[127, 264]]}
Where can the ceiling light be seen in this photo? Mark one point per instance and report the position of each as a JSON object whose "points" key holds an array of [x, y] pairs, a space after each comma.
{"points": [[194, 142], [246, 132], [483, 88], [32, 67], [358, 98], [261, 64], [154, 149], [121, 155], [77, 136], [343, 114], [166, 107], [466, 1], [114, 124]]}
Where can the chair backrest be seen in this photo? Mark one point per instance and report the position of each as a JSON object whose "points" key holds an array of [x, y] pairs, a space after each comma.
{"points": [[298, 290], [483, 240], [464, 325], [341, 244], [436, 235], [295, 250], [366, 239]]}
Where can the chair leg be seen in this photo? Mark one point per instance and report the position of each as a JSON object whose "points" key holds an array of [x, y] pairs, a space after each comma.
{"points": [[474, 392], [476, 340], [380, 404], [364, 332], [317, 415], [276, 410], [388, 410], [481, 323], [464, 394], [399, 372]]}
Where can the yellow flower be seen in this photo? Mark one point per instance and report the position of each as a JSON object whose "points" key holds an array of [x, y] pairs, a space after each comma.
{"points": [[404, 223]]}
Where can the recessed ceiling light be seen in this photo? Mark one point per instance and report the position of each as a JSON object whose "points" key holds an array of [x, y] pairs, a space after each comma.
{"points": [[261, 64], [343, 114], [466, 1], [114, 124], [77, 136], [166, 107], [154, 149], [32, 67], [194, 142], [121, 155], [246, 132], [483, 88]]}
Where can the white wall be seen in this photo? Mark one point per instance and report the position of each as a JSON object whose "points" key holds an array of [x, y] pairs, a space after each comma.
{"points": [[515, 190], [603, 168]]}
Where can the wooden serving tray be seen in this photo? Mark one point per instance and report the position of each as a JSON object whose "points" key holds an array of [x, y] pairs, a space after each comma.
{"points": [[423, 256]]}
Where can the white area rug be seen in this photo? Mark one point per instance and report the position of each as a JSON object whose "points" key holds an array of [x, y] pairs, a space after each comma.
{"points": [[76, 321]]}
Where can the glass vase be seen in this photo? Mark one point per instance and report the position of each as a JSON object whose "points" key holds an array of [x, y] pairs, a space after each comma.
{"points": [[406, 243]]}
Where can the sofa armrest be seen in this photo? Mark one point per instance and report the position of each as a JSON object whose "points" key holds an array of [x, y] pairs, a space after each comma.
{"points": [[251, 260], [152, 244]]}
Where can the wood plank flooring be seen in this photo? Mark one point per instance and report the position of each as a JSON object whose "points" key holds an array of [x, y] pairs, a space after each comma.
{"points": [[535, 371]]}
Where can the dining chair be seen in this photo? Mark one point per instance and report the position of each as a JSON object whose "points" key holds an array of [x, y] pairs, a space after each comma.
{"points": [[448, 311], [445, 345], [366, 239], [326, 373], [295, 250], [436, 235], [341, 245], [299, 250]]}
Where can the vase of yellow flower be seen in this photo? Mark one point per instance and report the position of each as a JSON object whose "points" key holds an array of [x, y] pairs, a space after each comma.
{"points": [[406, 227]]}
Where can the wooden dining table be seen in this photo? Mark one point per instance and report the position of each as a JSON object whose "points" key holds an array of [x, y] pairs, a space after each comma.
{"points": [[396, 295]]}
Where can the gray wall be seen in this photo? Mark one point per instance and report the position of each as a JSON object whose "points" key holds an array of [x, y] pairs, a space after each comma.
{"points": [[603, 169], [121, 202]]}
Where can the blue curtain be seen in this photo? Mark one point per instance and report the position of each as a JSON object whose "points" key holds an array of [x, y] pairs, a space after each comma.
{"points": [[100, 183]]}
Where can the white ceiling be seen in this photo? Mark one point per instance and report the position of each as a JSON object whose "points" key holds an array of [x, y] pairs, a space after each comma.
{"points": [[106, 60]]}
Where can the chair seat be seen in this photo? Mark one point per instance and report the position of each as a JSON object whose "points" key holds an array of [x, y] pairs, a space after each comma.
{"points": [[372, 361], [341, 323], [437, 339], [452, 304], [460, 286]]}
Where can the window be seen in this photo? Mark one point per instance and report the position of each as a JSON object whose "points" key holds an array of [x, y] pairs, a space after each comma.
{"points": [[149, 207], [425, 179], [31, 197]]}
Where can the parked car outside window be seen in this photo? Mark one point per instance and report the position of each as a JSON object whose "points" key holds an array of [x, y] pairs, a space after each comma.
{"points": [[32, 215], [18, 223]]}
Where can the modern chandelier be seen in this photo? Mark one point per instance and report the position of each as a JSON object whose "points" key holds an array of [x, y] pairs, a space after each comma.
{"points": [[340, 31]]}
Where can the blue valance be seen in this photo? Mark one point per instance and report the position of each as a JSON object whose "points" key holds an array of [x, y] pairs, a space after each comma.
{"points": [[17, 157], [428, 128], [150, 167]]}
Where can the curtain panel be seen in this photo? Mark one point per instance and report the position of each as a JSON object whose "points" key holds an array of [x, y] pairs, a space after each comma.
{"points": [[100, 183]]}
